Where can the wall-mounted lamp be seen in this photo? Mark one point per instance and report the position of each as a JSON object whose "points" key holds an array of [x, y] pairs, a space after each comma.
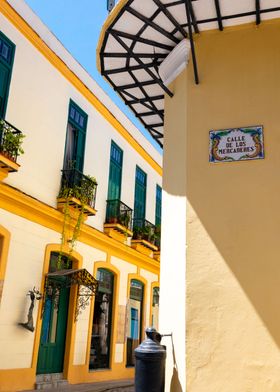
{"points": [[33, 294], [175, 62]]}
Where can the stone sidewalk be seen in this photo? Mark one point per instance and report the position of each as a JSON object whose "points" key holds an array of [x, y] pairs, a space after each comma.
{"points": [[108, 386]]}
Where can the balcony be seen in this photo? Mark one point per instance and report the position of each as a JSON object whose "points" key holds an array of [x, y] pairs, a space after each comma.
{"points": [[78, 191], [144, 237], [10, 148], [118, 224]]}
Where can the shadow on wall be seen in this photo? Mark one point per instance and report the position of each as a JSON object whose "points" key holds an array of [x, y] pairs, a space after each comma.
{"points": [[175, 385], [235, 221], [237, 203]]}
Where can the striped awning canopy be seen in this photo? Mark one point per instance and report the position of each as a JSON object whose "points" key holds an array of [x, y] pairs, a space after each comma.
{"points": [[139, 34]]}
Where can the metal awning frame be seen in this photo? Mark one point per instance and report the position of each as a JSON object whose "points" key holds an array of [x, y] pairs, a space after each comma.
{"points": [[183, 30], [87, 287]]}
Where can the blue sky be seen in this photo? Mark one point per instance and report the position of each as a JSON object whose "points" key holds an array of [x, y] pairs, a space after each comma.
{"points": [[77, 24]]}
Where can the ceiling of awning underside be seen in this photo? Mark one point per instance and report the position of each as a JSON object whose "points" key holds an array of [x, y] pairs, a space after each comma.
{"points": [[141, 33]]}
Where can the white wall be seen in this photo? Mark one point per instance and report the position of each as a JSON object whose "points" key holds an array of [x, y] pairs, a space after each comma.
{"points": [[38, 105], [23, 272]]}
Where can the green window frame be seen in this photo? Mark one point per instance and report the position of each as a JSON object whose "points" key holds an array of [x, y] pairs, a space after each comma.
{"points": [[158, 205], [115, 172], [7, 54], [140, 194], [75, 137]]}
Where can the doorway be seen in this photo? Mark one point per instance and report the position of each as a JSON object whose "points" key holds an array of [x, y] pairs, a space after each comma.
{"points": [[54, 324]]}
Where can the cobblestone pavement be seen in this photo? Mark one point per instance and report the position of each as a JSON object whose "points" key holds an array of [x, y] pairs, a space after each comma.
{"points": [[110, 386]]}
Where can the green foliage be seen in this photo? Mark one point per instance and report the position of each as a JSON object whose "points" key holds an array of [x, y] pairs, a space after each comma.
{"points": [[124, 219], [138, 232], [84, 193], [11, 141]]}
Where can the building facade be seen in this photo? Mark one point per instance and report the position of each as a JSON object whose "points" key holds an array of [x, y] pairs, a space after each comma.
{"points": [[80, 214], [219, 259]]}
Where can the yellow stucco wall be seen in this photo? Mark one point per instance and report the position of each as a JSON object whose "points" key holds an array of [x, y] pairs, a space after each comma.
{"points": [[233, 216]]}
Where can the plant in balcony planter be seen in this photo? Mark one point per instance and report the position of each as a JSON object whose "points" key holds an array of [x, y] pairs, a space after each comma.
{"points": [[87, 189], [149, 234], [138, 233], [124, 220], [84, 192], [11, 145]]}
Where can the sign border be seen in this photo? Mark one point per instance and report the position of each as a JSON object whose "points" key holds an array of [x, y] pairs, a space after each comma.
{"points": [[260, 155]]}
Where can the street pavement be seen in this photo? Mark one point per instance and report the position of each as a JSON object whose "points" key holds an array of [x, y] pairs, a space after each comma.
{"points": [[109, 386]]}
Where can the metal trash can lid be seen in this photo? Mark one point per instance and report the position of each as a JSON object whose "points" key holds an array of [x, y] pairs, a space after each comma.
{"points": [[150, 349]]}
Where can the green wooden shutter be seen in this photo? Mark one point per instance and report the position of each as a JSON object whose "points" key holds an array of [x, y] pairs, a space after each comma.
{"points": [[7, 49], [140, 194], [4, 82], [158, 205], [80, 151], [115, 173]]}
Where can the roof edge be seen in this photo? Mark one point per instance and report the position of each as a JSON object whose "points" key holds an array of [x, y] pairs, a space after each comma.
{"points": [[111, 17]]}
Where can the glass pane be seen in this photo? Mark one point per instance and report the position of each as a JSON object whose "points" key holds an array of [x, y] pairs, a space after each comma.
{"points": [[53, 326], [101, 327], [155, 307], [46, 320], [134, 323]]}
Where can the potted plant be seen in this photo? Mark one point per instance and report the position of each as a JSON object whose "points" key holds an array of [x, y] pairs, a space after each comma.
{"points": [[11, 141], [137, 233], [124, 219]]}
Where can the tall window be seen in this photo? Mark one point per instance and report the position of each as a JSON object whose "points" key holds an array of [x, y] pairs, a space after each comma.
{"points": [[115, 173], [158, 205], [75, 138], [134, 325], [155, 307], [140, 194], [102, 321], [7, 51]]}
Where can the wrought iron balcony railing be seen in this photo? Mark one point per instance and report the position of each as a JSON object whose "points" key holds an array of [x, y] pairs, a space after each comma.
{"points": [[145, 230], [118, 212], [76, 184], [10, 140]]}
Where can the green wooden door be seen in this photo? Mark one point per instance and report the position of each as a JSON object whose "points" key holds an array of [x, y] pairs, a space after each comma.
{"points": [[53, 333], [140, 195], [115, 174]]}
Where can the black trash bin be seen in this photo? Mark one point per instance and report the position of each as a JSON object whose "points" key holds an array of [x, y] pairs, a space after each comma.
{"points": [[150, 363]]}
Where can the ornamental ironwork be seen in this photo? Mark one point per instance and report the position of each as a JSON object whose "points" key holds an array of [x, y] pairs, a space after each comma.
{"points": [[118, 212], [55, 281]]}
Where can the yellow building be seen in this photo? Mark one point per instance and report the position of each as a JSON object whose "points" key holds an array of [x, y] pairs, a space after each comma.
{"points": [[211, 68], [80, 218]]}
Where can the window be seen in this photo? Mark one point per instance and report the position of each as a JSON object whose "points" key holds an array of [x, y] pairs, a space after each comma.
{"points": [[158, 205], [134, 326], [140, 195], [102, 321], [115, 173], [75, 138], [7, 51]]}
